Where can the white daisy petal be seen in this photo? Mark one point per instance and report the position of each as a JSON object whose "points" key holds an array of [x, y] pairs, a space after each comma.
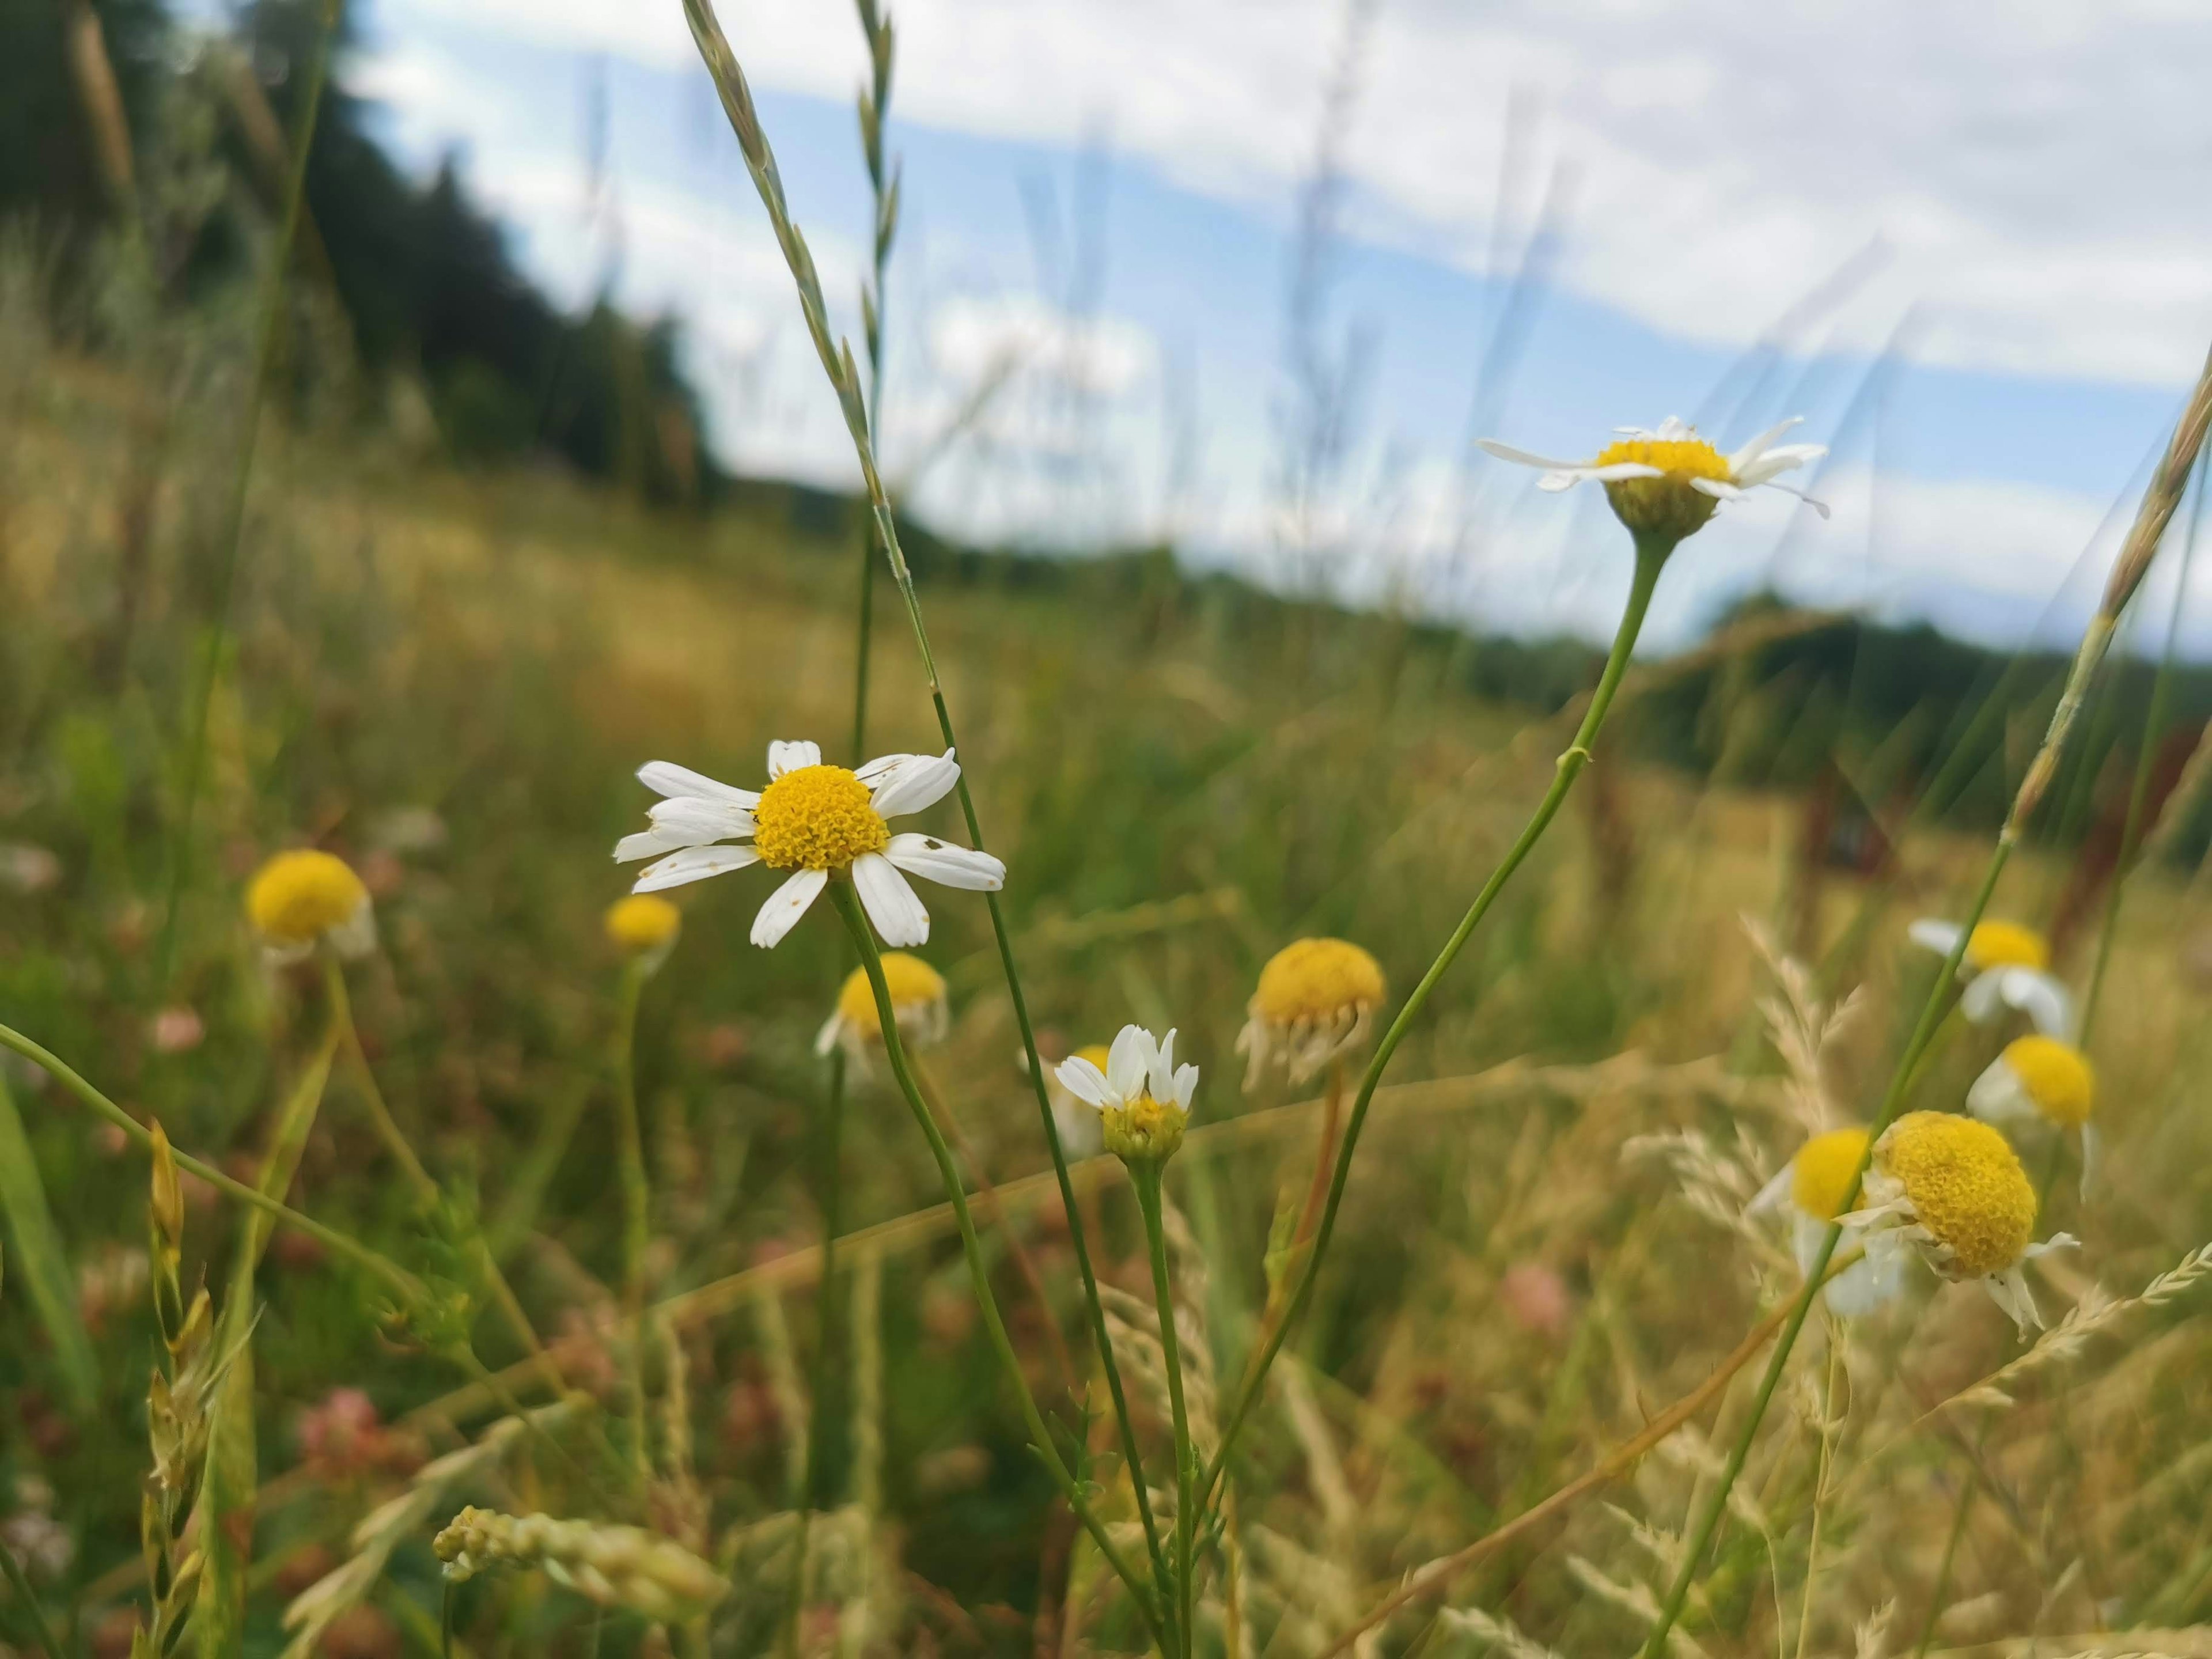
{"points": [[1770, 1196], [2092, 1148], [1674, 429], [913, 782], [1715, 489], [702, 820], [1083, 1079], [1775, 462], [1159, 1081], [652, 843], [1997, 1095], [891, 905], [1553, 483], [2043, 1000], [1185, 1085], [1760, 444], [1524, 458], [1941, 937], [2055, 1242], [786, 905], [692, 864], [1818, 507], [1613, 471], [2009, 1290], [791, 757], [667, 777], [826, 1038], [1982, 1000], [1128, 1062], [356, 937], [948, 865]]}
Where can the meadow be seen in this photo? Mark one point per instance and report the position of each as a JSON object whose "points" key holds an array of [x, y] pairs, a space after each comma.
{"points": [[566, 1293]]}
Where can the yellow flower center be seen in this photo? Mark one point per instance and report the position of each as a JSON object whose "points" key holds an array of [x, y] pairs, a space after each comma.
{"points": [[1965, 1187], [913, 983], [642, 922], [1665, 507], [1316, 981], [2006, 945], [299, 897], [818, 818], [2057, 1077], [1820, 1184], [1142, 1129]]}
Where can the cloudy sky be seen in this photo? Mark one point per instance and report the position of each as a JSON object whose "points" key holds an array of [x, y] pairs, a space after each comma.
{"points": [[1968, 242]]}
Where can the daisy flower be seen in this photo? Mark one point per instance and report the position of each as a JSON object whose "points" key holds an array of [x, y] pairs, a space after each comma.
{"points": [[1075, 1118], [1667, 483], [1954, 1188], [1814, 1186], [2006, 966], [643, 927], [817, 821], [1143, 1098], [2040, 1079], [300, 898], [919, 1006], [1315, 1000]]}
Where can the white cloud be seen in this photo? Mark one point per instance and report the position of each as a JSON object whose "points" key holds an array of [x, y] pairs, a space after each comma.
{"points": [[2035, 167]]}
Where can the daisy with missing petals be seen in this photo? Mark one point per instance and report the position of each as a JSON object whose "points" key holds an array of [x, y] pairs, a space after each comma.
{"points": [[1664, 485], [1814, 1186], [1315, 1002], [2041, 1080], [919, 1006], [1142, 1096], [817, 822], [2006, 966], [1077, 1118], [1952, 1187], [300, 898]]}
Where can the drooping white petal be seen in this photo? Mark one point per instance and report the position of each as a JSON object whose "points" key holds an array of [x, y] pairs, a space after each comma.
{"points": [[1553, 483], [1128, 1062], [1997, 1095], [1760, 444], [786, 905], [1931, 934], [1715, 489], [702, 820], [948, 865], [1525, 457], [1984, 999], [2091, 1150], [651, 843], [1770, 1196], [1870, 1282], [1159, 1081], [2045, 1000], [2055, 1242], [1083, 1079], [2009, 1290], [356, 937], [912, 782], [693, 864], [826, 1038], [890, 903], [791, 757], [1776, 462], [1818, 507], [667, 777]]}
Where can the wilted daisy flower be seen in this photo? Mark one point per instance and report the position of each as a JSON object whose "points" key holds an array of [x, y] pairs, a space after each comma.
{"points": [[1953, 1187], [1142, 1096], [817, 821], [1814, 1186], [1666, 485], [918, 1003], [2040, 1079], [303, 897], [1315, 1000], [1075, 1118], [644, 928], [2006, 966]]}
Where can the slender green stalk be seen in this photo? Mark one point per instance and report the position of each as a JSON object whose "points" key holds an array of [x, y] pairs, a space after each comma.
{"points": [[722, 67], [269, 308], [1651, 558], [2168, 484], [849, 908], [637, 1211], [1966, 1508], [1820, 1484], [827, 1339], [1145, 1180], [410, 1288], [28, 1599], [884, 187]]}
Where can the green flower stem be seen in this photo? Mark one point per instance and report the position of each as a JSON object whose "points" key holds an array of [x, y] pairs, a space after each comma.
{"points": [[848, 907], [1145, 1179], [411, 1289], [1651, 558], [1966, 1492], [728, 77], [820, 1425], [1923, 1032], [28, 1599], [637, 1209]]}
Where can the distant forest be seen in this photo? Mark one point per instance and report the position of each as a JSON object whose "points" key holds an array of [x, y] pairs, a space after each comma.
{"points": [[118, 127]]}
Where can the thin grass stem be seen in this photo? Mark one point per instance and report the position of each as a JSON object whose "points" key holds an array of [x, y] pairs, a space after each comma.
{"points": [[1145, 1181], [637, 1212]]}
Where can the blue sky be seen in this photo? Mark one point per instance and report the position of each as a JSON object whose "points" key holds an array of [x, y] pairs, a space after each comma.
{"points": [[1104, 193]]}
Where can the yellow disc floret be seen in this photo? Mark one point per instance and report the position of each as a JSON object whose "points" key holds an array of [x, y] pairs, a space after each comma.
{"points": [[2055, 1076], [1965, 1186], [1821, 1174], [913, 983], [298, 896], [642, 922], [816, 817], [1142, 1129], [1316, 981], [2006, 945], [1665, 507]]}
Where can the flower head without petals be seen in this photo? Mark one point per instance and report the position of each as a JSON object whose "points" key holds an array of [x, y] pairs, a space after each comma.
{"points": [[643, 926], [301, 897], [1664, 484], [919, 1004], [1315, 1000], [1143, 1098], [818, 821]]}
